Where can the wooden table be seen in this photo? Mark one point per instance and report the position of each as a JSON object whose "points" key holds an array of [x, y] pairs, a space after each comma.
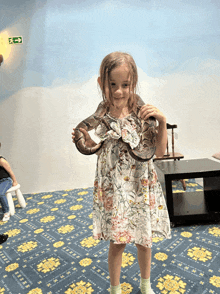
{"points": [[191, 206]]}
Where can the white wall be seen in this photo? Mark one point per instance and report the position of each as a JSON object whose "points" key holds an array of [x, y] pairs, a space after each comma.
{"points": [[37, 137], [191, 100]]}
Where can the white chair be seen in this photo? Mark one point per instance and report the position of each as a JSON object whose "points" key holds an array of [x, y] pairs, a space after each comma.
{"points": [[19, 195]]}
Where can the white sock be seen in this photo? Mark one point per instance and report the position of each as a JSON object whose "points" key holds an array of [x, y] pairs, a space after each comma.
{"points": [[115, 289], [145, 286]]}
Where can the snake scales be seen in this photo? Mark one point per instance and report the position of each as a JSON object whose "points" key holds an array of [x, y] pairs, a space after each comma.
{"points": [[143, 152]]}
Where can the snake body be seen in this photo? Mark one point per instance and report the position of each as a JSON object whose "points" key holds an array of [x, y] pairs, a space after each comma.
{"points": [[143, 152]]}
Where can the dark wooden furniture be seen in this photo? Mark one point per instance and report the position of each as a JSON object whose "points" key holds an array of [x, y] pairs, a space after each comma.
{"points": [[170, 155], [191, 206], [173, 155]]}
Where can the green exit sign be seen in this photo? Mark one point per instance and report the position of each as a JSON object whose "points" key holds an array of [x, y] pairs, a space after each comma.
{"points": [[15, 40]]}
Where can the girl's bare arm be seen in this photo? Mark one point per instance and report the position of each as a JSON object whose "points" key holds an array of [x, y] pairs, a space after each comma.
{"points": [[7, 167]]}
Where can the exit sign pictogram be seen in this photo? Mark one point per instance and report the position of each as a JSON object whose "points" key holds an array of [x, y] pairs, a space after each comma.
{"points": [[15, 40]]}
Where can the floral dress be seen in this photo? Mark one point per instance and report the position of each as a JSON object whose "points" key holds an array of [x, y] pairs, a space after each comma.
{"points": [[128, 202]]}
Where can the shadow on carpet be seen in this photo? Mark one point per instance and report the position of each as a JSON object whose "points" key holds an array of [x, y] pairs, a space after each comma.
{"points": [[50, 249]]}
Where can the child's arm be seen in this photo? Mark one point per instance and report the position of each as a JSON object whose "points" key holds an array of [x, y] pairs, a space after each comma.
{"points": [[88, 141], [7, 167], [161, 137]]}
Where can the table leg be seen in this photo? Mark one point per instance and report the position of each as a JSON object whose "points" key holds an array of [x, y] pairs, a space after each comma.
{"points": [[169, 195]]}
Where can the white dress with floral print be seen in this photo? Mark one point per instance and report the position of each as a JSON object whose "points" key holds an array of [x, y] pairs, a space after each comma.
{"points": [[128, 203]]}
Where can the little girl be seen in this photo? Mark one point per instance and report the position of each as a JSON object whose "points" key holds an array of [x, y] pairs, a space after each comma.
{"points": [[128, 203]]}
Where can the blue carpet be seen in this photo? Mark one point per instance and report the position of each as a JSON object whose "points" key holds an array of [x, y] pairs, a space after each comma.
{"points": [[50, 249]]}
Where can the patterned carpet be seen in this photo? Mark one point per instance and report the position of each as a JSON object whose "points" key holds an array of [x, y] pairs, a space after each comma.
{"points": [[50, 249]]}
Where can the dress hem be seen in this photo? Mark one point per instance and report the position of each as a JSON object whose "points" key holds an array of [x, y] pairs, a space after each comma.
{"points": [[150, 243]]}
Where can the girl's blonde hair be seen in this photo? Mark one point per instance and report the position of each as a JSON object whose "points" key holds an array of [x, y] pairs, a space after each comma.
{"points": [[112, 61]]}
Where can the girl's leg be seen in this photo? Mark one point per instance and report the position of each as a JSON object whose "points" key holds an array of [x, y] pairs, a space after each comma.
{"points": [[144, 260], [114, 262], [4, 204], [5, 184]]}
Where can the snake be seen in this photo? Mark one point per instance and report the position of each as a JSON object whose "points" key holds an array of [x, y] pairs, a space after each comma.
{"points": [[143, 152]]}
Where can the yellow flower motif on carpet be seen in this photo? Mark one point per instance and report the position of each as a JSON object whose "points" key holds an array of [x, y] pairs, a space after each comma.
{"points": [[23, 220], [85, 262], [127, 259], [178, 191], [47, 219], [83, 193], [171, 285], [126, 288], [2, 290], [80, 199], [12, 267], [28, 246], [71, 216], [12, 233], [33, 211], [200, 254], [39, 203], [76, 207], [65, 229], [186, 234], [46, 196], [58, 244], [18, 205], [91, 227], [215, 231], [192, 184], [38, 231], [89, 242], [90, 216], [48, 265], [65, 194], [54, 209], [215, 281], [80, 287], [161, 256], [157, 239], [35, 291], [60, 201]]}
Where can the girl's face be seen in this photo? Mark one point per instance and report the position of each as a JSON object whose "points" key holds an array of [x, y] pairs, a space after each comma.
{"points": [[120, 83]]}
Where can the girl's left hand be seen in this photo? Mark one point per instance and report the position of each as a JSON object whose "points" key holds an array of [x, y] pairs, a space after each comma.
{"points": [[148, 110]]}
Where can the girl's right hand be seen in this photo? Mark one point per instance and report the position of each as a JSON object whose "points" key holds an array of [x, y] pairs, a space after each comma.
{"points": [[88, 141]]}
